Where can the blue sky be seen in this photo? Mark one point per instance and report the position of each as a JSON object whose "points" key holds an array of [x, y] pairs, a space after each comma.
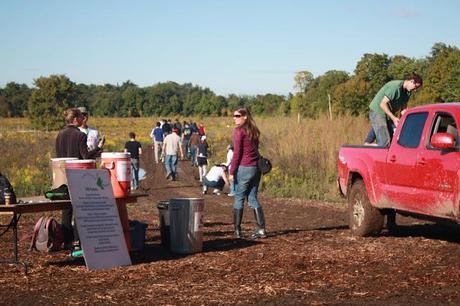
{"points": [[243, 47]]}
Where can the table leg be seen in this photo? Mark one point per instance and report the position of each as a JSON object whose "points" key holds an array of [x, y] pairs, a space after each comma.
{"points": [[15, 260], [123, 212]]}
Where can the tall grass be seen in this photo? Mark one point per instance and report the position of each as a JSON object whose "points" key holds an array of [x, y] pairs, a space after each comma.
{"points": [[303, 153]]}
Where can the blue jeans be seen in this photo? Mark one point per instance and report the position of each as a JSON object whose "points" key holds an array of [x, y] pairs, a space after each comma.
{"points": [[380, 127], [247, 181], [170, 165], [214, 184], [135, 171], [371, 135], [193, 150], [232, 188], [186, 147]]}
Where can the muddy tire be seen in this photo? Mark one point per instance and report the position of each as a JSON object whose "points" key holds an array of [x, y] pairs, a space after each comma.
{"points": [[363, 218]]}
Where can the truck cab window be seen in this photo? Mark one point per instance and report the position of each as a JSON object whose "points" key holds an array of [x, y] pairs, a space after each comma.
{"points": [[445, 123], [412, 129]]}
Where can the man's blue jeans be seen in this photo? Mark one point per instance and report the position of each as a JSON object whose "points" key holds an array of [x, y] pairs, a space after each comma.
{"points": [[247, 186], [193, 150], [170, 165], [135, 171], [371, 135], [380, 126]]}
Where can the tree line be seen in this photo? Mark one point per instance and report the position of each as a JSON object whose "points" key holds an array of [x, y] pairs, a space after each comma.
{"points": [[335, 92]]}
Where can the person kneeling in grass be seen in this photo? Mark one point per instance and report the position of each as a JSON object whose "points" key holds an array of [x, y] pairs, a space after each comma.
{"points": [[216, 178]]}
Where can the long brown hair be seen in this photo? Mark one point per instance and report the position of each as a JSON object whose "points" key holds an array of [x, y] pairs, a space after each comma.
{"points": [[249, 125], [71, 114]]}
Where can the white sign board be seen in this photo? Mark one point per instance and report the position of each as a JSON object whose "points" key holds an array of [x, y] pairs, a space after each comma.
{"points": [[98, 222]]}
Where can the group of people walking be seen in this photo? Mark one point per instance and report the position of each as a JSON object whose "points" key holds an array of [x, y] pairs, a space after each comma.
{"points": [[240, 171], [171, 139]]}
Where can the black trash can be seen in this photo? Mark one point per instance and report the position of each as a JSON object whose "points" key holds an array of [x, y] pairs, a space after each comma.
{"points": [[163, 213], [137, 233]]}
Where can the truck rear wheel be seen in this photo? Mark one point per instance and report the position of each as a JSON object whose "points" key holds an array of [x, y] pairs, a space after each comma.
{"points": [[363, 218]]}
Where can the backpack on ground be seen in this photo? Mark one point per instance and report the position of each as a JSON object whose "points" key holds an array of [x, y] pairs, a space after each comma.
{"points": [[5, 186], [47, 235]]}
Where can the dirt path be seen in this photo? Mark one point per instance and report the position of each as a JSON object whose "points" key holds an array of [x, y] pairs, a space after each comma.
{"points": [[308, 258]]}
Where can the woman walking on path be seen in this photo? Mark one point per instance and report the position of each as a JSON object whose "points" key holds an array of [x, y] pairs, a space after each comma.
{"points": [[244, 171]]}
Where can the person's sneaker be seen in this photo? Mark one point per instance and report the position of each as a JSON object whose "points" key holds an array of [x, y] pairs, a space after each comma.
{"points": [[168, 175], [216, 192], [77, 253], [231, 194]]}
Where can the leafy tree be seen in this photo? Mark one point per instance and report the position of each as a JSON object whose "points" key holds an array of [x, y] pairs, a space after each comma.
{"points": [[49, 99], [4, 107], [16, 98], [355, 95], [302, 80], [442, 77], [401, 67], [234, 102], [266, 104], [133, 100], [316, 99], [352, 97], [285, 106], [105, 100]]}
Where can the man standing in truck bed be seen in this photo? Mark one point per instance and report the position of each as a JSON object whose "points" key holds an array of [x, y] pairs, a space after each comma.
{"points": [[390, 99]]}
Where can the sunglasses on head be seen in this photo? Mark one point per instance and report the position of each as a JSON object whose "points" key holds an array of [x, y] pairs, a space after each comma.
{"points": [[237, 116]]}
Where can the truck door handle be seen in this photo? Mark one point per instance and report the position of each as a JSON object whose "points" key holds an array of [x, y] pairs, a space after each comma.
{"points": [[392, 158], [421, 161]]}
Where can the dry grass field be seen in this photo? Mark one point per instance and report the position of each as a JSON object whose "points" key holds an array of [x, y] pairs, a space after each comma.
{"points": [[303, 153]]}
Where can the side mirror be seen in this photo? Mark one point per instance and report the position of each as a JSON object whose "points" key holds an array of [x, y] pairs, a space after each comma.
{"points": [[443, 141]]}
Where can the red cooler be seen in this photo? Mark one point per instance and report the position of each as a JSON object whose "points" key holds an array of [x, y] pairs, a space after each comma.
{"points": [[119, 165], [81, 164]]}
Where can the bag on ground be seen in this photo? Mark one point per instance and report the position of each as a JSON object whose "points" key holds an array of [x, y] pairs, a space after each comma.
{"points": [[47, 235]]}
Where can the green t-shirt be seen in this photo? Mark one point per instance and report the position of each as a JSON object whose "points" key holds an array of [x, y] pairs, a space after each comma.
{"points": [[394, 91]]}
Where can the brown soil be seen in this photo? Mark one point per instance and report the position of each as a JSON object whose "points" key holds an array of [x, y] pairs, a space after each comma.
{"points": [[308, 258]]}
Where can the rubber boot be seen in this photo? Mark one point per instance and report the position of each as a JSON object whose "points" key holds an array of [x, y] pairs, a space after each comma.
{"points": [[237, 217], [260, 221]]}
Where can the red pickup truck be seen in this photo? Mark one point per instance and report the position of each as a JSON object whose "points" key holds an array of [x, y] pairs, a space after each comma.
{"points": [[417, 175]]}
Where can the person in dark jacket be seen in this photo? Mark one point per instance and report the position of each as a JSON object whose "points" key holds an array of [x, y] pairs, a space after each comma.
{"points": [[71, 142]]}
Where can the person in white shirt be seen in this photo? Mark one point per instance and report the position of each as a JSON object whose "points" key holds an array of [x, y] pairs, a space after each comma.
{"points": [[228, 163], [216, 178], [171, 146], [92, 135]]}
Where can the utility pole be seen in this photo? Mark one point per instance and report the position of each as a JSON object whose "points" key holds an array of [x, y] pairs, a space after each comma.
{"points": [[330, 106]]}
